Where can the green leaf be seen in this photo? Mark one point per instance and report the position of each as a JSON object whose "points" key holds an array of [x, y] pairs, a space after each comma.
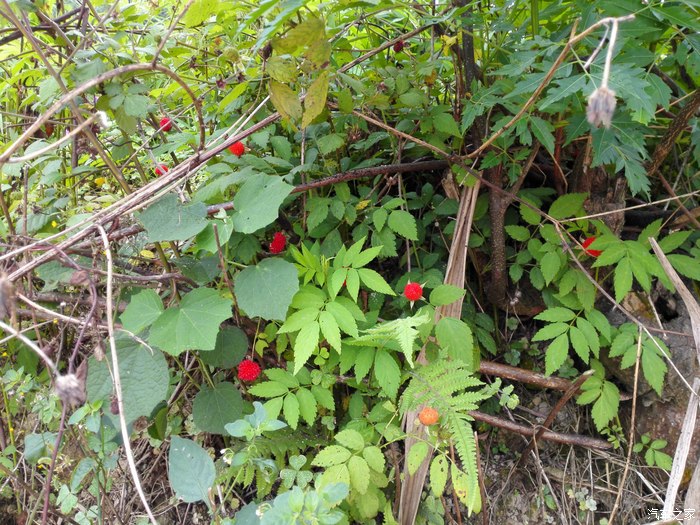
{"points": [[622, 280], [607, 405], [285, 100], [266, 289], [445, 294], [674, 241], [144, 308], [330, 330], [387, 373], [568, 205], [282, 69], [331, 455], [144, 379], [438, 475], [359, 474], [190, 470], [374, 457], [269, 389], [557, 352], [374, 281], [168, 219], [214, 407], [403, 223], [445, 123], [590, 334], [519, 233], [343, 317], [305, 344], [199, 12], [580, 343], [351, 439], [550, 331], [324, 397], [307, 405], [543, 131], [550, 265], [329, 143], [686, 266], [257, 202], [194, 325], [379, 217], [555, 314], [299, 320], [315, 101], [416, 455], [653, 366], [290, 408], [455, 336]]}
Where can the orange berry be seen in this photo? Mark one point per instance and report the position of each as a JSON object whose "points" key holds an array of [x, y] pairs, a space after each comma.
{"points": [[428, 416]]}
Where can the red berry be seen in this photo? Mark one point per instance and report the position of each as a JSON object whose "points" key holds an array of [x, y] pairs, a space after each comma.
{"points": [[237, 148], [587, 243], [166, 124], [279, 241], [248, 370], [413, 291], [161, 169], [398, 46], [428, 416]]}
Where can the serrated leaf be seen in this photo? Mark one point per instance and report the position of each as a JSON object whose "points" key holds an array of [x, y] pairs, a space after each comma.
{"points": [[543, 132], [168, 219], [305, 344], [568, 205], [194, 325], [257, 202], [374, 457], [519, 233], [323, 397], [285, 100], [556, 355], [416, 456], [191, 470], [365, 257], [373, 281], [282, 69], [590, 334], [387, 373], [550, 265], [445, 123], [329, 143], [315, 101], [359, 474], [214, 407], [622, 280], [290, 409], [299, 320], [455, 336], [579, 343], [199, 12], [685, 265], [307, 405], [330, 330], [280, 375], [351, 439], [379, 217], [343, 317], [403, 223], [143, 309], [268, 389], [550, 331], [607, 405], [266, 289], [556, 314], [331, 455], [654, 367], [438, 475], [445, 294]]}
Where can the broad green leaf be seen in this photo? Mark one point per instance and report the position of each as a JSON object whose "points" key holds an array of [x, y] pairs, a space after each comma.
{"points": [[403, 223], [168, 219], [351, 439], [299, 320], [373, 281], [257, 202], [622, 280], [606, 407], [374, 457], [445, 294], [438, 475], [307, 405], [206, 240], [190, 470], [282, 69], [199, 12], [315, 101], [323, 397], [519, 233], [329, 143], [550, 265], [290, 409], [555, 314], [144, 379], [266, 289], [331, 455], [194, 325], [310, 30], [455, 336], [557, 352], [343, 317], [305, 344], [379, 217], [282, 376], [543, 131], [359, 474], [387, 373], [37, 446], [568, 205], [685, 265], [229, 350], [653, 366], [214, 407], [285, 100], [590, 334], [268, 389], [416, 456], [445, 123], [144, 308], [579, 343]]}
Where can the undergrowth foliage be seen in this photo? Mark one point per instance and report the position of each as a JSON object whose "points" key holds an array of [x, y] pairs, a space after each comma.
{"points": [[227, 254]]}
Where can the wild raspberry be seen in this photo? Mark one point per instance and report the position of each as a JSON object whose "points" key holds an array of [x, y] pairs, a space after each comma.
{"points": [[166, 124], [413, 291], [428, 416], [279, 241], [587, 243], [161, 169], [237, 148], [248, 370], [398, 46]]}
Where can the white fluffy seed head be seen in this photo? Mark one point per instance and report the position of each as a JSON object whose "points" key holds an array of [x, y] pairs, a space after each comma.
{"points": [[601, 106]]}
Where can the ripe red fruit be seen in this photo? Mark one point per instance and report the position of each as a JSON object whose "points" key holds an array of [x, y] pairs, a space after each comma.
{"points": [[279, 241], [166, 124], [398, 46], [161, 169], [428, 416], [248, 370], [413, 291], [237, 148], [587, 243]]}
